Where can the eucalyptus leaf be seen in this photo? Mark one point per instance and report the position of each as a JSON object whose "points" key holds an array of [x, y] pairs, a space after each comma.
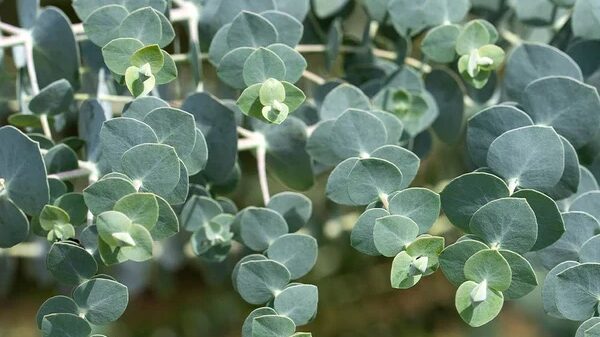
{"points": [[70, 264], [297, 252], [295, 208], [297, 302], [453, 259], [487, 125], [24, 184], [392, 233], [530, 61], [528, 157], [557, 110], [477, 314], [64, 324], [508, 223], [419, 204], [257, 281], [101, 300]]}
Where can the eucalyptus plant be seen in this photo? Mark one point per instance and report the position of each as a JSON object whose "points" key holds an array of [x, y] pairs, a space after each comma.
{"points": [[107, 154]]}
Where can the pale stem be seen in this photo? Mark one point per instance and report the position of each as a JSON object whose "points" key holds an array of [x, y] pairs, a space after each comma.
{"points": [[11, 41], [5, 27], [261, 154], [384, 200], [245, 144], [103, 97], [245, 132], [256, 140], [309, 75], [46, 126], [512, 185], [386, 54], [73, 174], [31, 66], [25, 249], [511, 37]]}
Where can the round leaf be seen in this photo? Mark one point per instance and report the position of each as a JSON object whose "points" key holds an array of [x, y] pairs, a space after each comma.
{"points": [[70, 264], [297, 302], [419, 204], [557, 109], [261, 65], [259, 227], [24, 184], [529, 157], [258, 281], [453, 259], [13, 224], [297, 252], [155, 167], [102, 301], [490, 266], [508, 223], [295, 208], [481, 313], [392, 233]]}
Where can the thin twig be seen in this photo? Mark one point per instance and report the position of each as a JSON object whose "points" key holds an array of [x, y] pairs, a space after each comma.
{"points": [[309, 75], [11, 41], [261, 158], [103, 97], [73, 174], [511, 37], [245, 132], [46, 126], [11, 29], [25, 249], [35, 88], [386, 54], [245, 144]]}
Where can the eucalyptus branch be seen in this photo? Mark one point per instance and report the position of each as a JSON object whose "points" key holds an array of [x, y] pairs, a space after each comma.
{"points": [[511, 37], [73, 174], [386, 54], [309, 75], [261, 153], [5, 27], [255, 140], [103, 97], [46, 126], [25, 249], [31, 66]]}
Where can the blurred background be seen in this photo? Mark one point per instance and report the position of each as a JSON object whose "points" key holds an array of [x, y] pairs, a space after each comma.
{"points": [[177, 295]]}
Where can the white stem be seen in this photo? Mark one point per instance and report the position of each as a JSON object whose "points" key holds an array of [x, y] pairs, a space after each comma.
{"points": [[261, 153], [5, 27], [384, 200], [386, 54], [512, 185], [103, 97], [309, 75], [245, 132], [511, 37], [25, 249], [46, 126], [31, 66], [73, 174], [11, 41], [245, 144]]}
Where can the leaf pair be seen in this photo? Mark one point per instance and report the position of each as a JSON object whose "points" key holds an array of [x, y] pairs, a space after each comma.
{"points": [[271, 100], [250, 29], [144, 22], [143, 66], [97, 301]]}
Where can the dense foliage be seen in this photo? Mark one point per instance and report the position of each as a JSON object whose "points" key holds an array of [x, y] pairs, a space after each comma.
{"points": [[106, 186]]}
